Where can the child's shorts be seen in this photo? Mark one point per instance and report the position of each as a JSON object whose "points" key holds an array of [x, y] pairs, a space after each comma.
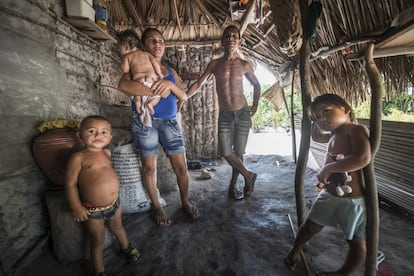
{"points": [[105, 213], [347, 213]]}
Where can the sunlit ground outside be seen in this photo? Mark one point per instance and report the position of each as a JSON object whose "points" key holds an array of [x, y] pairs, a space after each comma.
{"points": [[270, 141], [276, 141]]}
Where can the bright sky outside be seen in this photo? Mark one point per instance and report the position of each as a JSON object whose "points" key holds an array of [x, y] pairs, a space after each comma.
{"points": [[264, 76]]}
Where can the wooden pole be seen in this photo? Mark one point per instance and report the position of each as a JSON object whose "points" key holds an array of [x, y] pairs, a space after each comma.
{"points": [[292, 117], [371, 195], [302, 255], [177, 16], [304, 69], [246, 16]]}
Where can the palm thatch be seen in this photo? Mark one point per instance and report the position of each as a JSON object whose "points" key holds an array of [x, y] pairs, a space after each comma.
{"points": [[343, 30]]}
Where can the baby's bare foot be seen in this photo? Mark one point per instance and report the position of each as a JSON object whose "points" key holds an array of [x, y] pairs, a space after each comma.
{"points": [[150, 109]]}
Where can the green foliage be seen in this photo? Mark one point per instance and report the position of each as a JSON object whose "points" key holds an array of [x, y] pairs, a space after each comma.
{"points": [[266, 115], [396, 108], [399, 116], [403, 102], [257, 119], [362, 110]]}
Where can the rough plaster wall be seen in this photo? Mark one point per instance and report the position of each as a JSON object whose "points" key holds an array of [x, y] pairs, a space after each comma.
{"points": [[47, 72], [199, 114]]}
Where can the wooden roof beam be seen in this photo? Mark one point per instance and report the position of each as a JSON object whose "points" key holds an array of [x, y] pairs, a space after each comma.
{"points": [[174, 43], [207, 12], [177, 16], [264, 36], [246, 16], [385, 52], [132, 12], [264, 18]]}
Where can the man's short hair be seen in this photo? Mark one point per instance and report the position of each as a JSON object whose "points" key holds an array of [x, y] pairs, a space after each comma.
{"points": [[232, 27]]}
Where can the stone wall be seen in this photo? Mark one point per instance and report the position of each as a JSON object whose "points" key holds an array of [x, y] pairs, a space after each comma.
{"points": [[52, 71], [200, 113], [48, 71]]}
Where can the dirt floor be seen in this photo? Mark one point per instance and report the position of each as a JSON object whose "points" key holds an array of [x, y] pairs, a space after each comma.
{"points": [[247, 237]]}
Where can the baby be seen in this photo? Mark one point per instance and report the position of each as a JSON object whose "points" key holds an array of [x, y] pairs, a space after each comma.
{"points": [[144, 69]]}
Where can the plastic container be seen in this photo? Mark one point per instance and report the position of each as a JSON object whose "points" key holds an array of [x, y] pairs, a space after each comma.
{"points": [[100, 13], [82, 8]]}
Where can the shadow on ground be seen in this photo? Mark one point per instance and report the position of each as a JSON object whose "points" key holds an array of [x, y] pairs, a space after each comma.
{"points": [[247, 237]]}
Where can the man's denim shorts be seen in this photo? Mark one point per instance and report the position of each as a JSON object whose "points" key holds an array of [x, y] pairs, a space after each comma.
{"points": [[234, 127], [166, 132]]}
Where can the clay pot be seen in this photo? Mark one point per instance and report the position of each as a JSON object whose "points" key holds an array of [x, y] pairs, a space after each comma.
{"points": [[52, 151]]}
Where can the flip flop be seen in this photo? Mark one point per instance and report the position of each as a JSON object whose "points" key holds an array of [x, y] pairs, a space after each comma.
{"points": [[249, 186], [193, 213], [159, 219]]}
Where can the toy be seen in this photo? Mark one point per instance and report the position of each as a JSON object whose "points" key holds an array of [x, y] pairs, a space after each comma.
{"points": [[339, 179]]}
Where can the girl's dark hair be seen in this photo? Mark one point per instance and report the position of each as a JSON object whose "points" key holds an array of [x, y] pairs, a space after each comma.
{"points": [[129, 38], [145, 34], [92, 118], [333, 100]]}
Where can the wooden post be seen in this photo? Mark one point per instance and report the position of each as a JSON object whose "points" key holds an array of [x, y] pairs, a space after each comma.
{"points": [[371, 195], [292, 117], [304, 68]]}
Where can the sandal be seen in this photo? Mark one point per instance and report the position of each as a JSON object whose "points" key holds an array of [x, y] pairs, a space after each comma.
{"points": [[235, 194], [249, 185], [192, 212], [160, 220], [131, 254]]}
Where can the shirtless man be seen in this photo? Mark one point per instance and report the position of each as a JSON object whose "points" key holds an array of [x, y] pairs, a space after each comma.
{"points": [[92, 190], [235, 115]]}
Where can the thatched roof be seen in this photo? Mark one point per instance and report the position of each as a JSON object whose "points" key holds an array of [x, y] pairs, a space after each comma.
{"points": [[195, 23]]}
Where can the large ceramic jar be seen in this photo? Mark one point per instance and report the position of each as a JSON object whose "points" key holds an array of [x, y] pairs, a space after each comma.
{"points": [[52, 150]]}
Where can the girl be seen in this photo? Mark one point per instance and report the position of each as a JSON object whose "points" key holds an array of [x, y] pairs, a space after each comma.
{"points": [[334, 116]]}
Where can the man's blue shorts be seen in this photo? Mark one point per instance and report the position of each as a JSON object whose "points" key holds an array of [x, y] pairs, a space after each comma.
{"points": [[234, 127], [166, 132]]}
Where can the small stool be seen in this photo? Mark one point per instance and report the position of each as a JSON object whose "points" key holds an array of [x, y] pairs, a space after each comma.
{"points": [[70, 239]]}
